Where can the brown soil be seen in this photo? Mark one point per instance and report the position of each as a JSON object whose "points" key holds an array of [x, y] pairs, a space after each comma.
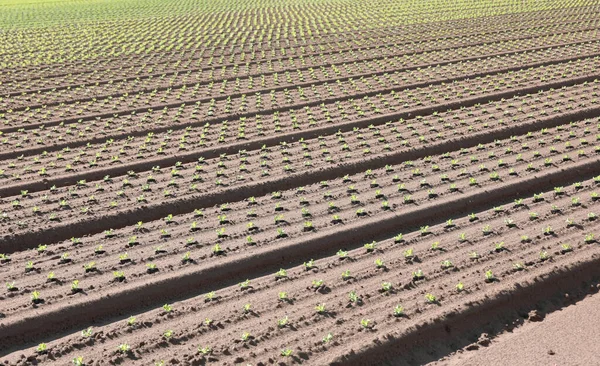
{"points": [[399, 194], [564, 337]]}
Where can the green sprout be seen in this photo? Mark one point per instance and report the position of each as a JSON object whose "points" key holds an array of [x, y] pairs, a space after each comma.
{"points": [[245, 336], [119, 275], [447, 264], [281, 323], [366, 323], [124, 348], [35, 297], [206, 350], [418, 274], [131, 320], [42, 348], [431, 298], [209, 296], [346, 274], [321, 308], [386, 286], [286, 352], [398, 311], [281, 274], [87, 333], [353, 297], [309, 265], [565, 248]]}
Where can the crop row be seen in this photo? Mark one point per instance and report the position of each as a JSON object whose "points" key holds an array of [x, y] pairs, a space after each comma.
{"points": [[384, 282], [157, 37], [273, 219], [274, 91], [329, 113], [133, 78], [243, 79], [205, 176], [227, 172]]}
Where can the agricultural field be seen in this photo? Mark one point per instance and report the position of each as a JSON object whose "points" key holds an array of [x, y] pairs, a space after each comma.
{"points": [[317, 182]]}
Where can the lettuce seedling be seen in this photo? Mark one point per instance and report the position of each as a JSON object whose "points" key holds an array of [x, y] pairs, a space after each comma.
{"points": [[431, 298], [131, 321], [42, 348], [35, 297], [281, 323], [87, 333], [286, 352], [309, 265], [321, 308], [328, 338], [489, 276], [398, 311]]}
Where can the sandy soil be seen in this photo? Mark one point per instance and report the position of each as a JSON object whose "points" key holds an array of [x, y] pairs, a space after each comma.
{"points": [[567, 337], [357, 192]]}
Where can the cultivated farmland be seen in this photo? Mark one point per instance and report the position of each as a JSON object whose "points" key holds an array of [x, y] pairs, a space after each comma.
{"points": [[190, 182]]}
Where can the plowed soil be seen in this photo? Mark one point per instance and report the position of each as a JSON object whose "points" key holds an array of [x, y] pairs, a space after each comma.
{"points": [[299, 182]]}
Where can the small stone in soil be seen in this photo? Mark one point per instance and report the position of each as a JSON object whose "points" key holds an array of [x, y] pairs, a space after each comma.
{"points": [[472, 347], [535, 316], [484, 340]]}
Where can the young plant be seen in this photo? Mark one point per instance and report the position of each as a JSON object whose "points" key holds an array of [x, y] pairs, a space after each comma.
{"points": [[286, 352], [398, 311], [281, 274], [418, 275], [346, 275], [124, 348], [87, 333], [317, 284], [431, 299], [245, 284], [35, 297], [75, 286], [205, 351], [309, 265], [283, 322], [386, 286], [566, 248], [42, 348], [489, 276], [447, 264], [131, 321], [167, 308]]}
